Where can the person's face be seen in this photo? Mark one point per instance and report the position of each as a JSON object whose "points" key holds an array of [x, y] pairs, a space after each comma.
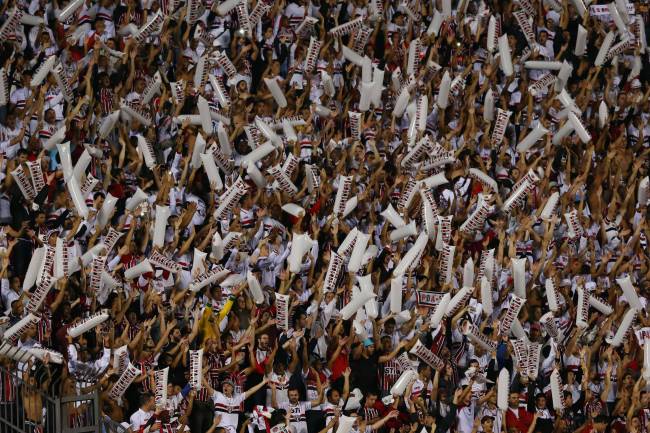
{"points": [[15, 283], [371, 400], [40, 219], [335, 397], [263, 341], [31, 381], [568, 400], [487, 425], [293, 396], [571, 377], [541, 402], [100, 27], [513, 400], [139, 86], [210, 344], [99, 201], [543, 37], [386, 344], [176, 334], [50, 116], [228, 389], [26, 79]]}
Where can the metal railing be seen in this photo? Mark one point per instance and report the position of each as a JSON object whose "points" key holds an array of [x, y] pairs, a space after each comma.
{"points": [[30, 408], [110, 426]]}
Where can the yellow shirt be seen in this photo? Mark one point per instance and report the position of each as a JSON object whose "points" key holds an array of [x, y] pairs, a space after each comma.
{"points": [[204, 325]]}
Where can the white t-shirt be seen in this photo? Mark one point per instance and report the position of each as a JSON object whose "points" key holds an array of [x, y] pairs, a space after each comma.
{"points": [[330, 409], [494, 413], [281, 388], [298, 413], [465, 416], [8, 296], [229, 408], [139, 418], [295, 13]]}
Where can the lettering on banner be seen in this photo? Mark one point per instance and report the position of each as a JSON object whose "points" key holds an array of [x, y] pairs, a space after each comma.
{"points": [[123, 382], [602, 12], [503, 116], [196, 368], [511, 314], [524, 24], [282, 311], [427, 299]]}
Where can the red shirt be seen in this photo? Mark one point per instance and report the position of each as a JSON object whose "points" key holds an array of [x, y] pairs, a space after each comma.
{"points": [[339, 365], [589, 428], [316, 207], [116, 190], [519, 419], [618, 427]]}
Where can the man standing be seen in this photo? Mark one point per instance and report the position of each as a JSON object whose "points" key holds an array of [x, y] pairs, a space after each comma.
{"points": [[517, 417], [142, 416], [297, 409], [228, 403]]}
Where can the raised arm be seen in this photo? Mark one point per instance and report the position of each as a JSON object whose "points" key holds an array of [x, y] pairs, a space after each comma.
{"points": [[256, 388], [379, 424]]}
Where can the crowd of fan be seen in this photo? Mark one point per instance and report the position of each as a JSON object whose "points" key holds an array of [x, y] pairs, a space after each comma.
{"points": [[192, 192]]}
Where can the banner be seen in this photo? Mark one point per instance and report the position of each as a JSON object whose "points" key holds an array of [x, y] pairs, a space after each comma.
{"points": [[428, 299], [602, 12]]}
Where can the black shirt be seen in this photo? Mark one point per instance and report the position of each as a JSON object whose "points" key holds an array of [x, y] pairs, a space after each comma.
{"points": [[364, 373]]}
